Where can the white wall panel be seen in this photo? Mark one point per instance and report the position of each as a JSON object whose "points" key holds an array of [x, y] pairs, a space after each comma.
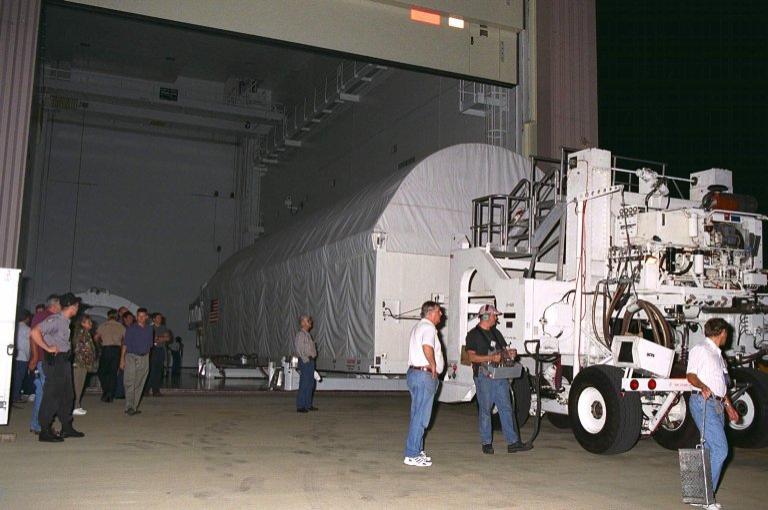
{"points": [[360, 27]]}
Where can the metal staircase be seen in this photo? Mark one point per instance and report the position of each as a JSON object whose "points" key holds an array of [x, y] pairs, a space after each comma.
{"points": [[529, 221]]}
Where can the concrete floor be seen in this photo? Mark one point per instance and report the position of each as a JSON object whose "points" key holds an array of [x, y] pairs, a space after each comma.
{"points": [[254, 451]]}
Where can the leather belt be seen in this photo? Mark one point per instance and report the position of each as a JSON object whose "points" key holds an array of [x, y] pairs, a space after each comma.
{"points": [[423, 369], [719, 399]]}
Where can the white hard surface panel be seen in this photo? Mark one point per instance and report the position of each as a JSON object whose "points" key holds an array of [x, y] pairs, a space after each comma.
{"points": [[361, 27], [9, 289]]}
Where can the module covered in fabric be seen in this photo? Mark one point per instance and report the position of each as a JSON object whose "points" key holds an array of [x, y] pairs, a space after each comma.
{"points": [[326, 265]]}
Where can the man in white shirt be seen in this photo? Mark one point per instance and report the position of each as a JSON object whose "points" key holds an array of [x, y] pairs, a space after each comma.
{"points": [[22, 355], [708, 372], [425, 363]]}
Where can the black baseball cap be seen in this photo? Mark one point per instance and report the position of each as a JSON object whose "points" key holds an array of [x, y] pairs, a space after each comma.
{"points": [[69, 299]]}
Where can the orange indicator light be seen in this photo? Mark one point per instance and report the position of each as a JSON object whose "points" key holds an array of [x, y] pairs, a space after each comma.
{"points": [[430, 18]]}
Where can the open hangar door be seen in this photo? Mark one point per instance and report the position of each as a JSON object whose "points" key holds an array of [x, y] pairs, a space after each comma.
{"points": [[160, 147]]}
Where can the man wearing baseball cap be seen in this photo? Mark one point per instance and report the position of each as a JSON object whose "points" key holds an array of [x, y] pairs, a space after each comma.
{"points": [[52, 335], [484, 344]]}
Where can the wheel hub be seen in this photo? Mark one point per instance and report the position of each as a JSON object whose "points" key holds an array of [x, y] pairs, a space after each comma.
{"points": [[591, 410], [745, 406]]}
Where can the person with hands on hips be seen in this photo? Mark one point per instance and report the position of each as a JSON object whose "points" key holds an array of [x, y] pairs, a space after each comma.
{"points": [[708, 372], [485, 344]]}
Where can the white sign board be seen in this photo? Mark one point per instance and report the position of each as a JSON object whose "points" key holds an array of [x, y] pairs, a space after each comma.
{"points": [[9, 290]]}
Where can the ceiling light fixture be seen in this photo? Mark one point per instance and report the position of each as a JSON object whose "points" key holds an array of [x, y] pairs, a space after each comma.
{"points": [[455, 22], [430, 18]]}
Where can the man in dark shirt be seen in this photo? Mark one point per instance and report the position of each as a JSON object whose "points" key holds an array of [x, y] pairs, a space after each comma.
{"points": [[157, 355], [484, 344], [134, 360]]}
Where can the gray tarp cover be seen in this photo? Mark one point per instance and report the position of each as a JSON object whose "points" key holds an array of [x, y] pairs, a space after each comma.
{"points": [[325, 265]]}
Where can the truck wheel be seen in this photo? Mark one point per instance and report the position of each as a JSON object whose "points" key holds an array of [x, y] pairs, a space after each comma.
{"points": [[603, 418], [677, 429], [560, 421], [752, 430]]}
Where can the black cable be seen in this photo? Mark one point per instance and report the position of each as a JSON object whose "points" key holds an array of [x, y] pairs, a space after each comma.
{"points": [[77, 203], [538, 369]]}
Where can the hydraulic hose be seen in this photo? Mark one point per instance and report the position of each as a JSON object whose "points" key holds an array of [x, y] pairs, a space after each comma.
{"points": [[607, 335], [538, 376], [662, 332]]}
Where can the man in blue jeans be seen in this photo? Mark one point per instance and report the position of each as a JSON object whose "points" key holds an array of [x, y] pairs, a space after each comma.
{"points": [[708, 372], [484, 344], [425, 363], [306, 350]]}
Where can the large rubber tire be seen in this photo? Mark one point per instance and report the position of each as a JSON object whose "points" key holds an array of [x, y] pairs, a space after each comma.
{"points": [[560, 421], [752, 431], [604, 420], [674, 434], [520, 394]]}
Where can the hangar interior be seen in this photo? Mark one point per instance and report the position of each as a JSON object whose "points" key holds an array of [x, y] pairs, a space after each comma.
{"points": [[169, 140], [159, 150]]}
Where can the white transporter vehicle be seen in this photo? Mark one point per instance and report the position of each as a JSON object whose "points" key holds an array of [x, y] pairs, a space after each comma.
{"points": [[610, 274]]}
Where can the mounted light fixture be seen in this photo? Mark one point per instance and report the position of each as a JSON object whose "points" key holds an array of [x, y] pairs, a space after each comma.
{"points": [[455, 22], [422, 16]]}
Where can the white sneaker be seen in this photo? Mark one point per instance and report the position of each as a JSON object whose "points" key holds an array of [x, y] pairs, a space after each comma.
{"points": [[417, 461], [713, 506], [31, 397], [424, 455], [79, 411]]}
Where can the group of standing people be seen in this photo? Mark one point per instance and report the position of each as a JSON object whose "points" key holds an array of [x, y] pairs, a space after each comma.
{"points": [[58, 348], [426, 362], [707, 372], [484, 344]]}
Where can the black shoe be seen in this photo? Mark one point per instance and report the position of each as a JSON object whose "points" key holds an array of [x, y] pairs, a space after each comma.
{"points": [[302, 410], [104, 398], [313, 408], [47, 436], [35, 432], [130, 411], [488, 449], [518, 447], [71, 432], [136, 411], [157, 394]]}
